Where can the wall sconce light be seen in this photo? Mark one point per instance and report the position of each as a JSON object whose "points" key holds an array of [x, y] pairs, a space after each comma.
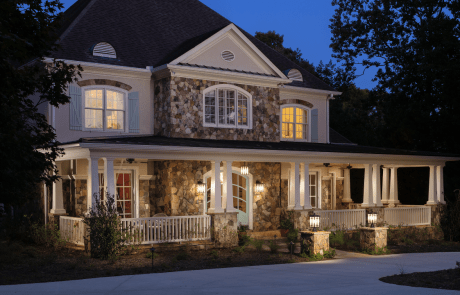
{"points": [[259, 187], [244, 170], [372, 218], [314, 221], [200, 187]]}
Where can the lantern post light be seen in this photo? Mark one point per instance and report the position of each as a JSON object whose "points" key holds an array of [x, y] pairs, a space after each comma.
{"points": [[314, 221], [152, 250], [200, 187], [372, 218]]}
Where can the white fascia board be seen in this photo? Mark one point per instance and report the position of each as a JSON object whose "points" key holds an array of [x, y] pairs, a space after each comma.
{"points": [[219, 34], [295, 89], [224, 76], [98, 65], [255, 155]]}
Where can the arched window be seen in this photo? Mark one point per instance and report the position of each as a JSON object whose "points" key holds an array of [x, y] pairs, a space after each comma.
{"points": [[227, 106], [295, 123]]}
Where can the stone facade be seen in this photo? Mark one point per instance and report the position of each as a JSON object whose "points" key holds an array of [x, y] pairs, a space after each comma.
{"points": [[326, 194], [318, 242], [81, 197], [302, 219], [436, 213], [144, 198], [373, 238], [225, 230], [339, 195], [107, 82], [179, 111], [175, 187]]}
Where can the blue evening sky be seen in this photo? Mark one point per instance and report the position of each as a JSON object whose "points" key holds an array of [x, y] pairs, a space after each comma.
{"points": [[304, 24]]}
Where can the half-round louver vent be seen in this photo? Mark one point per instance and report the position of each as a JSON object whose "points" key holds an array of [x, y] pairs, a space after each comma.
{"points": [[295, 75], [228, 55], [104, 49]]}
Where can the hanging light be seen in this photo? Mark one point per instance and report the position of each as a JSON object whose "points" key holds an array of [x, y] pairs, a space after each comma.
{"points": [[259, 187], [372, 218], [200, 187], [314, 221], [244, 170]]}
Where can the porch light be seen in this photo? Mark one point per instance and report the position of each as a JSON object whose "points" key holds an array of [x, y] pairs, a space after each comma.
{"points": [[314, 221], [200, 187], [372, 218], [259, 187], [244, 170]]}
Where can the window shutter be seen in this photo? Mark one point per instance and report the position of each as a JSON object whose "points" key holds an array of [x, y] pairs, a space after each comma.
{"points": [[133, 109], [314, 125], [75, 108]]}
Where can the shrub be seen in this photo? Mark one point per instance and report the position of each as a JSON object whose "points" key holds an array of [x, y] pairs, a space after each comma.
{"points": [[258, 244], [287, 222], [450, 219], [337, 238], [47, 235], [239, 250], [292, 236], [329, 254], [273, 246], [107, 238], [214, 254], [244, 240], [149, 255]]}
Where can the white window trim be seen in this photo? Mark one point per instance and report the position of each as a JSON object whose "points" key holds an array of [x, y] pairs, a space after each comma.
{"points": [[308, 123], [236, 89], [104, 123]]}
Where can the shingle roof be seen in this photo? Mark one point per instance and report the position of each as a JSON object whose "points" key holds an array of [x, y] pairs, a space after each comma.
{"points": [[335, 137], [251, 145], [151, 33]]}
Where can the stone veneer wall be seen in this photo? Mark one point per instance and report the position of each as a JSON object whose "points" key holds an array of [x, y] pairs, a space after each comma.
{"points": [[74, 193], [326, 195], [175, 187], [68, 197], [81, 196], [179, 111], [339, 195], [144, 198]]}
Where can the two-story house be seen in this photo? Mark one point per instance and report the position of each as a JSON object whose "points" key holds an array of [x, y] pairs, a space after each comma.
{"points": [[182, 114]]}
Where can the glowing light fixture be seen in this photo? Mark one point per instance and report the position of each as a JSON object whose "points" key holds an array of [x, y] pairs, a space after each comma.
{"points": [[244, 169], [314, 221], [259, 187], [200, 187], [372, 218]]}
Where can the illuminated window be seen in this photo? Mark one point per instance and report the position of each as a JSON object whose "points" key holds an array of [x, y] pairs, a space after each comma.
{"points": [[227, 106], [294, 125], [104, 109]]}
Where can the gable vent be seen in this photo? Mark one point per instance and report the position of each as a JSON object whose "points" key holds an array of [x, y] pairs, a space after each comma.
{"points": [[105, 50], [295, 75], [228, 56]]}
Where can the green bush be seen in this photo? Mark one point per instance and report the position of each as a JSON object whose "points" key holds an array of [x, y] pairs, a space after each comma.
{"points": [[149, 255], [337, 238], [274, 247], [292, 236], [287, 222], [108, 239], [244, 240], [239, 250], [47, 235], [214, 254], [258, 244], [378, 251], [329, 254]]}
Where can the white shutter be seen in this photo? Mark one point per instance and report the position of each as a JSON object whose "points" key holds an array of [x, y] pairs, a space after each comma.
{"points": [[75, 108], [314, 125], [133, 110]]}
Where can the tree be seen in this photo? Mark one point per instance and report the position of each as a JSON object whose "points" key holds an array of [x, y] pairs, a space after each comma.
{"points": [[28, 33], [416, 47], [275, 41]]}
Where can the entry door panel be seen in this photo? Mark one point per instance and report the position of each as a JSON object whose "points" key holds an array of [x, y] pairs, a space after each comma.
{"points": [[124, 189], [240, 197]]}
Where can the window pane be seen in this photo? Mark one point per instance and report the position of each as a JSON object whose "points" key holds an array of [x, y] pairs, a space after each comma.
{"points": [[210, 107], [93, 99], [313, 202], [288, 130], [243, 182], [242, 206], [235, 191], [127, 179], [312, 179], [221, 108], [301, 116], [242, 110], [234, 179], [312, 190], [115, 119], [115, 100], [300, 131], [230, 107], [288, 115], [93, 119]]}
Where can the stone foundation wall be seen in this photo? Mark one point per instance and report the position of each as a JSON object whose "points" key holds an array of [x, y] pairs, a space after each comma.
{"points": [[179, 111], [318, 242], [436, 213], [326, 195], [339, 194], [302, 219], [225, 230], [373, 238], [144, 198]]}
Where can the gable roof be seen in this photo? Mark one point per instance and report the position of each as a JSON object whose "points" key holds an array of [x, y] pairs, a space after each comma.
{"points": [[151, 33]]}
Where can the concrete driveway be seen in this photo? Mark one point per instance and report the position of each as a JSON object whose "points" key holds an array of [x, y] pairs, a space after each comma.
{"points": [[354, 275]]}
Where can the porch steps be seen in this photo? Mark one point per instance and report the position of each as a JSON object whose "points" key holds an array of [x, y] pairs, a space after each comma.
{"points": [[265, 235]]}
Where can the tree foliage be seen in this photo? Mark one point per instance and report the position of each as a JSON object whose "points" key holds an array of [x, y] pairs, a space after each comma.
{"points": [[416, 46], [28, 33]]}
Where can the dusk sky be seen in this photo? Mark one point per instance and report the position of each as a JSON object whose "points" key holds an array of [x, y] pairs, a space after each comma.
{"points": [[304, 24]]}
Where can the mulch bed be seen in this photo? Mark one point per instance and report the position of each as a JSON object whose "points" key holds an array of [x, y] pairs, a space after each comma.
{"points": [[444, 279], [21, 263], [426, 246]]}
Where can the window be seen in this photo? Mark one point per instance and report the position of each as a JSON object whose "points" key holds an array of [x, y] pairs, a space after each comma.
{"points": [[294, 124], [227, 107], [313, 189], [104, 109], [124, 190]]}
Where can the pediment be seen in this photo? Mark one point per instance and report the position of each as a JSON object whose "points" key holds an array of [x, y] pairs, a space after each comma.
{"points": [[230, 49]]}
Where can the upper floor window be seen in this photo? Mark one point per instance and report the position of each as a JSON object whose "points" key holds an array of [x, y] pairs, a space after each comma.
{"points": [[227, 106], [104, 109], [295, 123]]}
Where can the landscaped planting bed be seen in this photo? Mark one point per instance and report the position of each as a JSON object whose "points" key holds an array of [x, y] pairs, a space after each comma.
{"points": [[442, 279]]}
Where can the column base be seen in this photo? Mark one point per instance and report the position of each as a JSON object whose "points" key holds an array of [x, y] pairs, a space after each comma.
{"points": [[431, 203], [373, 238], [347, 201], [215, 211], [58, 211], [224, 229], [316, 242]]}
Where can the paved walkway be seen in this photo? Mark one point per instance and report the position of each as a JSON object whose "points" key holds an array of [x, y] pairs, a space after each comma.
{"points": [[354, 275]]}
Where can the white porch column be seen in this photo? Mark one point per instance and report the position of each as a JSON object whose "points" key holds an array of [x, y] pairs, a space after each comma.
{"points": [[377, 193], [109, 177], [385, 186], [306, 186], [216, 195], [432, 187], [368, 192], [57, 201], [394, 187], [228, 186], [93, 181], [440, 184], [297, 205], [346, 186]]}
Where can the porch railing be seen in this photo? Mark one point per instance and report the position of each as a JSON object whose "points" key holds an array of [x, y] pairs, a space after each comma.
{"points": [[408, 216], [343, 219], [168, 229], [72, 229]]}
